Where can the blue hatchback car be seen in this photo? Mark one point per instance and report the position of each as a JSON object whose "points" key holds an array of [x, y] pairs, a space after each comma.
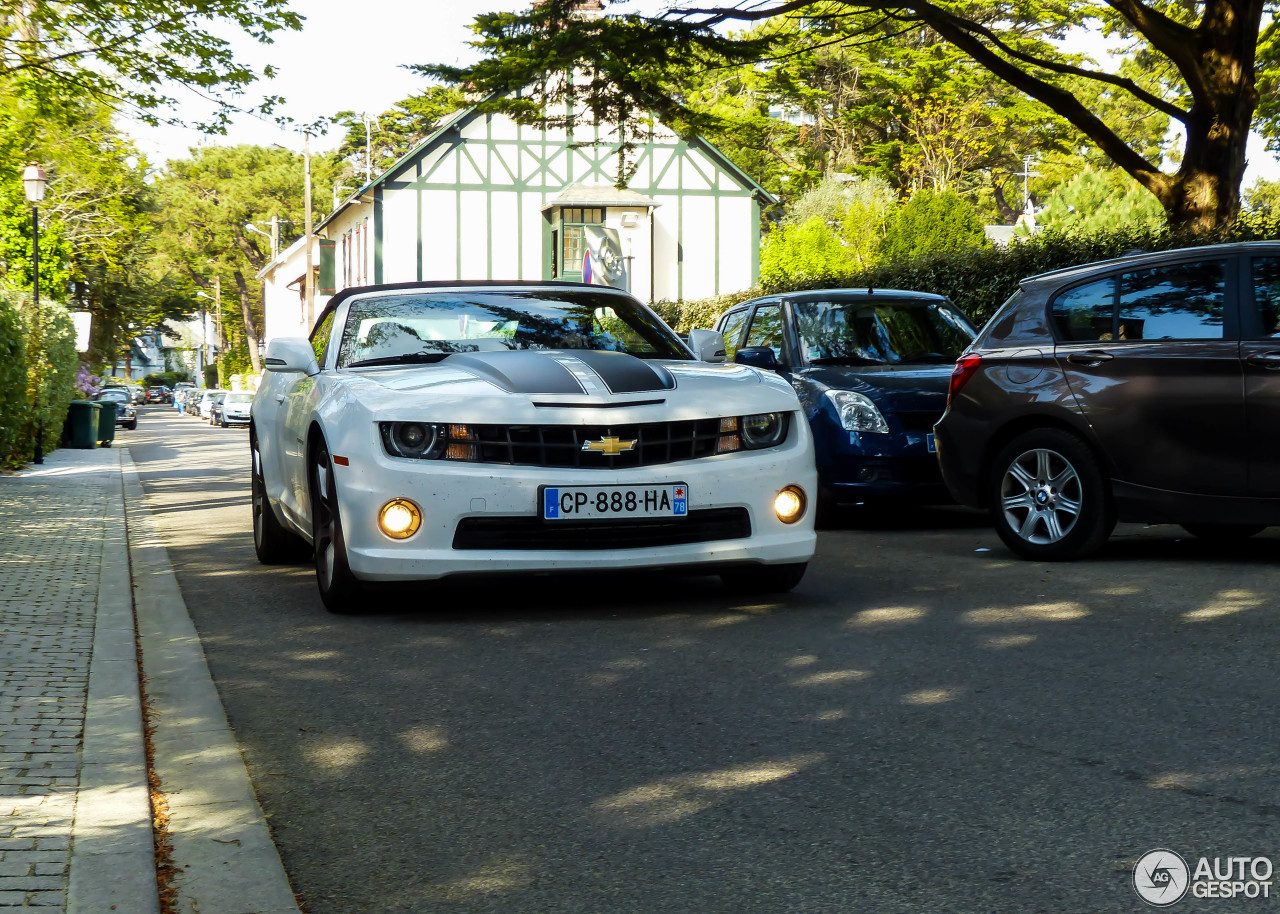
{"points": [[872, 369]]}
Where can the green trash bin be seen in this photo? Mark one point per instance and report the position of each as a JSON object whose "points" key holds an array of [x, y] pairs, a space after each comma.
{"points": [[106, 422], [83, 416]]}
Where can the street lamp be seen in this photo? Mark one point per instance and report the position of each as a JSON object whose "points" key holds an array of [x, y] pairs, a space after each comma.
{"points": [[33, 184]]}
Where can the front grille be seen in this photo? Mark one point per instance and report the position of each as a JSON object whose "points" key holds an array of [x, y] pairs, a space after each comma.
{"points": [[531, 533], [923, 421], [561, 445]]}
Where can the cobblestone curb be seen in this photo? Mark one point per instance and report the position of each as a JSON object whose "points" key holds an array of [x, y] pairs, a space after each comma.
{"points": [[226, 860], [112, 851]]}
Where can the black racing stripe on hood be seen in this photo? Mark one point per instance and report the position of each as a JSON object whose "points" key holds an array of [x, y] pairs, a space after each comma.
{"points": [[520, 372], [625, 374]]}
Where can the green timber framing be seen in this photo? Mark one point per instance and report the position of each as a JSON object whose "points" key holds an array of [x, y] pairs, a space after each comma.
{"points": [[467, 163]]}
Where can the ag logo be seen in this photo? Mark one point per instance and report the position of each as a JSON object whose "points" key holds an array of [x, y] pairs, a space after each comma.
{"points": [[1161, 878]]}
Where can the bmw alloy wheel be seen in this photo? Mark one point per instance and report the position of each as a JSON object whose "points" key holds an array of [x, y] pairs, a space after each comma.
{"points": [[1041, 496], [1048, 496]]}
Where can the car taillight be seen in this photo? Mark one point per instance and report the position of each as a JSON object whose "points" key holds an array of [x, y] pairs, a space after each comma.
{"points": [[965, 369]]}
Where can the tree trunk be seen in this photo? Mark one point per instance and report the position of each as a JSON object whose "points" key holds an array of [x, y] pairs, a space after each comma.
{"points": [[250, 330], [1204, 194], [1007, 212]]}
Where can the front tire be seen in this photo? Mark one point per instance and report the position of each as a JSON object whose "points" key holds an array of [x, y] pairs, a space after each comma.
{"points": [[273, 543], [1224, 533], [1048, 498], [764, 578], [339, 589]]}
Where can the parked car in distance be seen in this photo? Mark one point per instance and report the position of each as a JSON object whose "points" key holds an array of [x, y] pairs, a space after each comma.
{"points": [[191, 404], [871, 369], [158, 394], [126, 412], [1142, 389], [486, 427], [234, 408], [208, 400]]}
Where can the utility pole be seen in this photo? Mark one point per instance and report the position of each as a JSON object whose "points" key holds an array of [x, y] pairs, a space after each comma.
{"points": [[310, 278], [369, 120], [217, 306], [275, 237], [1027, 175]]}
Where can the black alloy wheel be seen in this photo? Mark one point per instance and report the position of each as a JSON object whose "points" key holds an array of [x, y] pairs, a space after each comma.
{"points": [[273, 543], [1048, 498], [339, 589]]}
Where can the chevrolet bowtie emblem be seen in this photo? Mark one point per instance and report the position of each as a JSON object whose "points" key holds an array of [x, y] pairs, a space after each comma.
{"points": [[610, 447]]}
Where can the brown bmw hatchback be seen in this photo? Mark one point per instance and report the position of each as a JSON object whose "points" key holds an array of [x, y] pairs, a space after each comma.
{"points": [[1140, 389]]}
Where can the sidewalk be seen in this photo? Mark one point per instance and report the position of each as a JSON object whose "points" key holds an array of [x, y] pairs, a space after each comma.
{"points": [[80, 561]]}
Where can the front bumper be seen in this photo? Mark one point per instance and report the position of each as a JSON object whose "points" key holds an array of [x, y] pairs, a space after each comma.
{"points": [[235, 418], [897, 466], [447, 492]]}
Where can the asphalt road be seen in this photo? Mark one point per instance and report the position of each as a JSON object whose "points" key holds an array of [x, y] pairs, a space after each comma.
{"points": [[926, 724]]}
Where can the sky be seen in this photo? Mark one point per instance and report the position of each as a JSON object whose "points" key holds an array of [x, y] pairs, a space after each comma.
{"points": [[351, 54]]}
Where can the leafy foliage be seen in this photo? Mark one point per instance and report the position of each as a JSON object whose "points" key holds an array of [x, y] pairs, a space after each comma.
{"points": [[13, 376], [980, 279], [38, 377], [932, 223], [834, 226], [1192, 64], [1095, 201], [132, 53], [394, 132], [204, 205]]}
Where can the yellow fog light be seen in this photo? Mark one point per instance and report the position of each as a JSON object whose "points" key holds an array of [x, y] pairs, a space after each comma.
{"points": [[399, 518], [789, 504]]}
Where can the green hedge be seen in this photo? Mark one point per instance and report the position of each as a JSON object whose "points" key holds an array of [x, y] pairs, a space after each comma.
{"points": [[165, 378], [981, 279], [39, 367], [13, 377], [696, 313]]}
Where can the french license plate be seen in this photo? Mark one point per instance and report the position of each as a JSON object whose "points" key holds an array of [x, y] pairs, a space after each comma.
{"points": [[595, 502], [931, 442]]}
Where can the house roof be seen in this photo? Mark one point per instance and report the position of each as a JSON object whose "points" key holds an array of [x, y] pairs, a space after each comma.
{"points": [[459, 117], [599, 195]]}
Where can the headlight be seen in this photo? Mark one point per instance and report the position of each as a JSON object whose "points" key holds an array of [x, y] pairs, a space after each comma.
{"points": [[764, 429], [428, 441], [751, 432], [857, 413]]}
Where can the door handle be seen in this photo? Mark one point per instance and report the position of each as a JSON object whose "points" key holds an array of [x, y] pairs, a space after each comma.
{"points": [[1270, 360], [1093, 357], [279, 398]]}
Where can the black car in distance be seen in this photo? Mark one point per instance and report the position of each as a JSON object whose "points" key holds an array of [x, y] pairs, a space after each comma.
{"points": [[1141, 389]]}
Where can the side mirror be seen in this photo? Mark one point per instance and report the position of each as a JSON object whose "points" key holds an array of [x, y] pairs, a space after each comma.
{"points": [[707, 345], [757, 357], [291, 353]]}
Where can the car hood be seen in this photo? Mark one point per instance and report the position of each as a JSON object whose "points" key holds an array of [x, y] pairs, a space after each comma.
{"points": [[529, 386], [897, 387]]}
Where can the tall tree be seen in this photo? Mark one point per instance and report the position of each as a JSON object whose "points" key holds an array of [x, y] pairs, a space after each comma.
{"points": [[207, 205], [1204, 54]]}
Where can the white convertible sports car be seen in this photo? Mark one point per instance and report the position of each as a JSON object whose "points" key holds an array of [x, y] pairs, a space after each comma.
{"points": [[432, 429]]}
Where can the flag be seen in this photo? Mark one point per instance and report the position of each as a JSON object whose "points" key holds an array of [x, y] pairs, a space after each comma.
{"points": [[586, 267]]}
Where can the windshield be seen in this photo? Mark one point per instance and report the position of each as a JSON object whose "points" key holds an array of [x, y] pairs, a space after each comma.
{"points": [[115, 394], [239, 397], [882, 332], [427, 326]]}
